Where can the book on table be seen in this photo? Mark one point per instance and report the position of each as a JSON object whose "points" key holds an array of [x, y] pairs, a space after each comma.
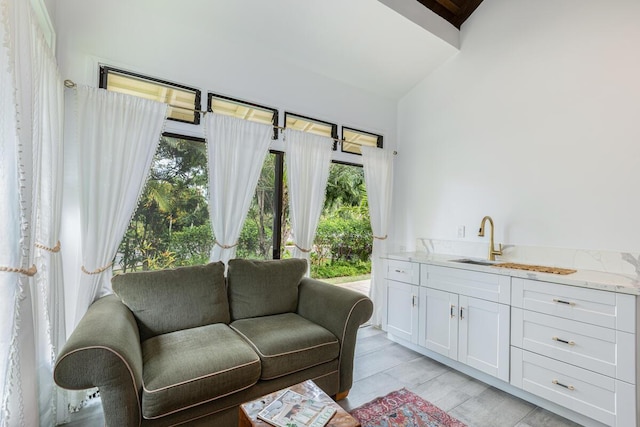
{"points": [[292, 409]]}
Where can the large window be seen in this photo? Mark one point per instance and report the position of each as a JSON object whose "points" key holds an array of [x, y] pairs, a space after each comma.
{"points": [[184, 101], [171, 224]]}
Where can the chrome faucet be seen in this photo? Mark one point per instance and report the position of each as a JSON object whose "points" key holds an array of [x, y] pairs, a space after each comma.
{"points": [[492, 251]]}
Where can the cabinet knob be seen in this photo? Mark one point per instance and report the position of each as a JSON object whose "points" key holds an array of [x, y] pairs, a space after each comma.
{"points": [[568, 387]]}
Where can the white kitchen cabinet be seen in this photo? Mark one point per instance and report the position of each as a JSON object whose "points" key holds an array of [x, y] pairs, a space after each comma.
{"points": [[483, 338], [439, 318], [402, 299], [576, 347], [469, 329]]}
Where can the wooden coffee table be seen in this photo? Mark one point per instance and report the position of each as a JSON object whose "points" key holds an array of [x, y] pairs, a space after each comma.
{"points": [[248, 416]]}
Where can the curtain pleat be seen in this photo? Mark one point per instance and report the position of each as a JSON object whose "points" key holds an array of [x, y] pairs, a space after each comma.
{"points": [[308, 158], [378, 176], [236, 150]]}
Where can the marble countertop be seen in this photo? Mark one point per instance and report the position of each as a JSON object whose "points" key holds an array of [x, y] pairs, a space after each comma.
{"points": [[592, 279]]}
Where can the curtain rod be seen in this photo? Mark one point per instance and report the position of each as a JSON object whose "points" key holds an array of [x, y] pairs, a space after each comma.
{"points": [[72, 85]]}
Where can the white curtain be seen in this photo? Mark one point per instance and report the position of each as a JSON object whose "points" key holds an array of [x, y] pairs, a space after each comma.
{"points": [[31, 308], [378, 176], [236, 151], [117, 138], [308, 158]]}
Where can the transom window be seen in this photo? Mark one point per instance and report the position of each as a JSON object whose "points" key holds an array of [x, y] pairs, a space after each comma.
{"points": [[183, 100], [353, 140], [244, 110], [307, 124]]}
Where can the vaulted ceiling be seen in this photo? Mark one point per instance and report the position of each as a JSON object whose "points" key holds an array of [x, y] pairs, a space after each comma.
{"points": [[454, 11]]}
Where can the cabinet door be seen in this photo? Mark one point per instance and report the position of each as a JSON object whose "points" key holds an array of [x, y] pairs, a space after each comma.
{"points": [[441, 322], [484, 336], [402, 310]]}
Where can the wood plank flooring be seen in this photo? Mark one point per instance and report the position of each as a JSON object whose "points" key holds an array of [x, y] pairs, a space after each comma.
{"points": [[382, 366]]}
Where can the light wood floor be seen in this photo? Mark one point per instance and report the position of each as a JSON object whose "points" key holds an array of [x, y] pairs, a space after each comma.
{"points": [[382, 366]]}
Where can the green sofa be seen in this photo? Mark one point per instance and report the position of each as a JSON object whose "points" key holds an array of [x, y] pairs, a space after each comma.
{"points": [[187, 346]]}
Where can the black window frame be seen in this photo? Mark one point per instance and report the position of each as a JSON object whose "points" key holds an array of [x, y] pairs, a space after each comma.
{"points": [[334, 126], [276, 116], [379, 142], [102, 83]]}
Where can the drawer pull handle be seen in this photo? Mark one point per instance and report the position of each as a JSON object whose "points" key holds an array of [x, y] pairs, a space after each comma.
{"points": [[461, 312], [559, 301], [568, 387], [413, 301], [451, 310], [400, 271], [571, 342]]}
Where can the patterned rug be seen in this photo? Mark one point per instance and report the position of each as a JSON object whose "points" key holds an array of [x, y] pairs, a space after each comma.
{"points": [[403, 409]]}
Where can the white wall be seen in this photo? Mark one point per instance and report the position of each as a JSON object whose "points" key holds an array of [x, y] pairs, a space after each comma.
{"points": [[536, 122]]}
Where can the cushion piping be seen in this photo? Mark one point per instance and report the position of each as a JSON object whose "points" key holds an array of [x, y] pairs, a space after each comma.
{"points": [[286, 352], [344, 330], [199, 403], [198, 378]]}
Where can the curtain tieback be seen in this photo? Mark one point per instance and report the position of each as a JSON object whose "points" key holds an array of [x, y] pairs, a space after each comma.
{"points": [[302, 249], [54, 249], [98, 271], [380, 238], [225, 246], [26, 271]]}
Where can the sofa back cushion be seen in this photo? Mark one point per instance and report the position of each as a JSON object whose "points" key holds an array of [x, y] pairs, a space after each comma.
{"points": [[171, 300], [263, 288]]}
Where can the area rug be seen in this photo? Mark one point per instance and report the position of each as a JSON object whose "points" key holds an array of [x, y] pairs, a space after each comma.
{"points": [[402, 408]]}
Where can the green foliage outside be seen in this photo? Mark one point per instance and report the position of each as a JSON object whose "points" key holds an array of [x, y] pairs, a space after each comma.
{"points": [[171, 225]]}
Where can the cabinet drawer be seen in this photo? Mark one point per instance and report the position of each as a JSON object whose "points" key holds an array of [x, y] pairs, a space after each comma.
{"points": [[402, 271], [486, 286], [601, 308], [580, 390], [606, 351]]}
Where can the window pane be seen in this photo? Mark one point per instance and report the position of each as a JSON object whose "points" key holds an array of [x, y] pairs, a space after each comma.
{"points": [[241, 111], [354, 140], [306, 124], [171, 225], [183, 100], [256, 237], [344, 240]]}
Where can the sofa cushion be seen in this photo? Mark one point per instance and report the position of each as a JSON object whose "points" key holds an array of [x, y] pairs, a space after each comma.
{"points": [[189, 367], [287, 343], [170, 300], [263, 288]]}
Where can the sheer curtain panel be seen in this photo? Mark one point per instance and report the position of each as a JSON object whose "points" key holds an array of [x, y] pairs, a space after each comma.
{"points": [[236, 151], [31, 299], [308, 158], [117, 138], [378, 176]]}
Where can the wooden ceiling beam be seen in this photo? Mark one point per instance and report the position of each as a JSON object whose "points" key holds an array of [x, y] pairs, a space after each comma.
{"points": [[454, 11]]}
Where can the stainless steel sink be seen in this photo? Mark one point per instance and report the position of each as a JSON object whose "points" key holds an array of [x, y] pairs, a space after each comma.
{"points": [[474, 261]]}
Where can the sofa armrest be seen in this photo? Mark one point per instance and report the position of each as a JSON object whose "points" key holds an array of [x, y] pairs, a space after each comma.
{"points": [[341, 311], [104, 351]]}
